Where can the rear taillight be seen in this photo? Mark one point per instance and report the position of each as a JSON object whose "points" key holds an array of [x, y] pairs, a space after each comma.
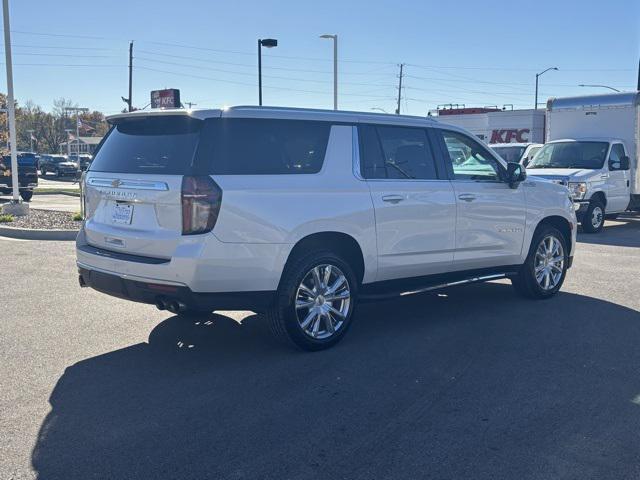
{"points": [[201, 200]]}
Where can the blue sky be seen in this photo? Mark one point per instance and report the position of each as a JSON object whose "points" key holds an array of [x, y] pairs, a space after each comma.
{"points": [[467, 52]]}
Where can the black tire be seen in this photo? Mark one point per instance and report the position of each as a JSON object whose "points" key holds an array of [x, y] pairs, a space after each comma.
{"points": [[56, 172], [26, 195], [525, 282], [593, 219], [282, 315]]}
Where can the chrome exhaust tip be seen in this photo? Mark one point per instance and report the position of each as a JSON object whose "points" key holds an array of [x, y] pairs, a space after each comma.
{"points": [[173, 306], [160, 304]]}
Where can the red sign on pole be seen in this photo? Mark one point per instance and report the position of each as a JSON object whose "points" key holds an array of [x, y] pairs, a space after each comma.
{"points": [[169, 98]]}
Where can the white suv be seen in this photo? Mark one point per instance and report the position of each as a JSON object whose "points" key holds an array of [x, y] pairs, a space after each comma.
{"points": [[298, 214]]}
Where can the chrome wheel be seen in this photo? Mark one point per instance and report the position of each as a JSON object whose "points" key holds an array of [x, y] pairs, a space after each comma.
{"points": [[549, 262], [322, 301], [597, 215]]}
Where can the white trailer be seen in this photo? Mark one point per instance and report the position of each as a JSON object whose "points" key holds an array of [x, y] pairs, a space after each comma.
{"points": [[592, 147]]}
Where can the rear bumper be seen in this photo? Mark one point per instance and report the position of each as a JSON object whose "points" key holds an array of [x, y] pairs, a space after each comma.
{"points": [[149, 292], [202, 273]]}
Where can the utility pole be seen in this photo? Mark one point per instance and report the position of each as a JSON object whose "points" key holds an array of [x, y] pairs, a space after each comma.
{"points": [[11, 106], [399, 89], [639, 75], [129, 101]]}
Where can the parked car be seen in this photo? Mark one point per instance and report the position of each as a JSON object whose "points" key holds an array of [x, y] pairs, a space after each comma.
{"points": [[59, 165], [593, 149], [27, 174], [516, 152], [299, 214], [85, 160]]}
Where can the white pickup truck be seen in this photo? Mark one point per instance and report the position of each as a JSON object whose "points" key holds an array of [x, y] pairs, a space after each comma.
{"points": [[592, 147]]}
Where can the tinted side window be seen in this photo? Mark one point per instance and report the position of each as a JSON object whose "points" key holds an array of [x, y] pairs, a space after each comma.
{"points": [[371, 159], [240, 146], [470, 160], [396, 153]]}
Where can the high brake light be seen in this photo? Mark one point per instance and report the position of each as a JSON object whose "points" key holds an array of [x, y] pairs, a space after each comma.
{"points": [[201, 200]]}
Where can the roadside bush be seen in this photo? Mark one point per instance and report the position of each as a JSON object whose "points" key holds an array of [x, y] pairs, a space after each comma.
{"points": [[77, 217], [6, 218]]}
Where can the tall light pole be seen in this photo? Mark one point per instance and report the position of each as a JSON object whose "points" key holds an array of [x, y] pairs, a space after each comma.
{"points": [[11, 106], [335, 68], [599, 86], [30, 132], [267, 43], [77, 111], [68, 131], [537, 76]]}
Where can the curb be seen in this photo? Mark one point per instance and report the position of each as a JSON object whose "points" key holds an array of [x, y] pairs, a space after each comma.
{"points": [[37, 234]]}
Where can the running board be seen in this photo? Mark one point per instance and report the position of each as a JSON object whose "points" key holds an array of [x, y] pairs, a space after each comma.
{"points": [[405, 293]]}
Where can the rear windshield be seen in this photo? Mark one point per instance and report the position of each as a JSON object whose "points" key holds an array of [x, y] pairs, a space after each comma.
{"points": [[150, 145]]}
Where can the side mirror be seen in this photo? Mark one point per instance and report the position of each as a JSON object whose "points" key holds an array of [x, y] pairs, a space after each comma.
{"points": [[515, 174], [624, 163]]}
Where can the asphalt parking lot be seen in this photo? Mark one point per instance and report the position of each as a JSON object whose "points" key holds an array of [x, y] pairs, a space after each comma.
{"points": [[471, 383]]}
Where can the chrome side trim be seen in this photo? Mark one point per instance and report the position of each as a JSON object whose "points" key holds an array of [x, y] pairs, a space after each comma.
{"points": [[128, 184], [453, 284]]}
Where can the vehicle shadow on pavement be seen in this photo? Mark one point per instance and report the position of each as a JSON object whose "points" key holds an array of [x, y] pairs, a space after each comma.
{"points": [[622, 232], [470, 383]]}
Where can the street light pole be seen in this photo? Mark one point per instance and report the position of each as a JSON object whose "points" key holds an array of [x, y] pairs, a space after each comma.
{"points": [[599, 86], [68, 130], [537, 76], [11, 106], [335, 68], [268, 43], [30, 132]]}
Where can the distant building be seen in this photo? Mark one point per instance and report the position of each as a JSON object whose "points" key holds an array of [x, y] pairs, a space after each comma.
{"points": [[495, 125], [86, 145]]}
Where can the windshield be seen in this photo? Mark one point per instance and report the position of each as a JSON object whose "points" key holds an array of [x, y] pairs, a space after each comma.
{"points": [[589, 155], [510, 154]]}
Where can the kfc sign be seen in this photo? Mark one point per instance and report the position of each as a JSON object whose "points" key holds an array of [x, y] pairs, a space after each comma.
{"points": [[169, 98], [510, 135]]}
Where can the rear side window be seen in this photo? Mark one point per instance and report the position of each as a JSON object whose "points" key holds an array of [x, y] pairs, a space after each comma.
{"points": [[250, 146], [395, 153], [150, 145]]}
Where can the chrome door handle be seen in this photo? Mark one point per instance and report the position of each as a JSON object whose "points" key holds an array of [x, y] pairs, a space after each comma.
{"points": [[467, 197], [392, 198], [604, 176]]}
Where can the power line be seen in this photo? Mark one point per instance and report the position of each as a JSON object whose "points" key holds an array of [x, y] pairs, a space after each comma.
{"points": [[181, 74], [252, 74]]}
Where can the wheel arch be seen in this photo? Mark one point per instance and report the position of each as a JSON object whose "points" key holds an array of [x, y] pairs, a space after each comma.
{"points": [[601, 196], [559, 222], [340, 243]]}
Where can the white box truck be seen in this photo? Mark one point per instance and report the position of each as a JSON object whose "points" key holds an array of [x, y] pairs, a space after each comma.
{"points": [[592, 147]]}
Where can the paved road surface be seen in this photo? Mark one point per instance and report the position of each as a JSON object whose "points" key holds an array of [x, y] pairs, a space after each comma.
{"points": [[474, 383]]}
